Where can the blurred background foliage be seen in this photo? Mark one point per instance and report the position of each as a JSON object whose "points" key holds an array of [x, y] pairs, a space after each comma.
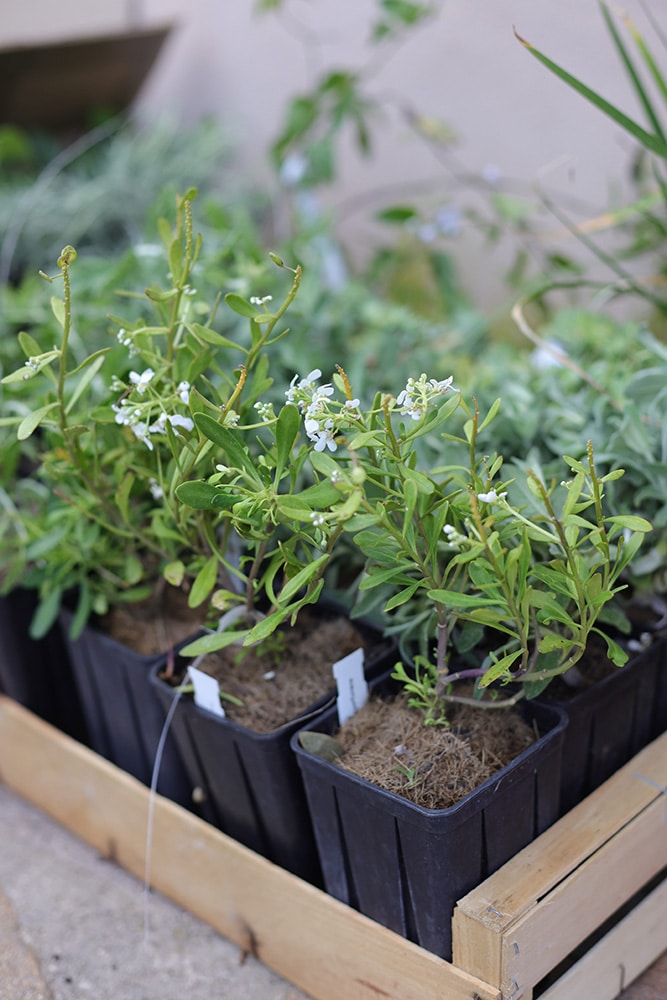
{"points": [[566, 372]]}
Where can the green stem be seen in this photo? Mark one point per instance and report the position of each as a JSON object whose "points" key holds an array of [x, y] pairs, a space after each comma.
{"points": [[67, 257]]}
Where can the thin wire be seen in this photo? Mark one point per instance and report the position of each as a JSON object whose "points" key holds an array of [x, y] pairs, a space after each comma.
{"points": [[151, 808]]}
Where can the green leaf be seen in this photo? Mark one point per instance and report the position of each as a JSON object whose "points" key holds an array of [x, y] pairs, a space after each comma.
{"points": [[411, 494], [453, 599], [164, 229], [290, 510], [83, 610], [551, 610], [95, 362], [324, 464], [396, 214], [558, 581], [236, 454], [20, 375], [573, 493], [159, 295], [122, 495], [29, 345], [133, 569], [301, 579], [499, 668], [321, 495], [616, 654], [403, 596], [32, 421], [633, 74], [240, 305], [551, 641], [534, 688], [212, 337], [204, 582], [421, 481], [175, 260], [58, 309], [491, 415], [630, 521], [647, 139], [45, 615], [321, 745], [174, 572], [47, 542], [287, 428], [375, 578], [267, 626], [213, 642], [365, 438], [197, 494]]}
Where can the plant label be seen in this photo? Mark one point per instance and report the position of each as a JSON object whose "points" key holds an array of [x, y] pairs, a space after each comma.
{"points": [[351, 684], [206, 691]]}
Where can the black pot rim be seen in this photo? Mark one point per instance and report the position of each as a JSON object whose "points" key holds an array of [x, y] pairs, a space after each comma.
{"points": [[551, 738]]}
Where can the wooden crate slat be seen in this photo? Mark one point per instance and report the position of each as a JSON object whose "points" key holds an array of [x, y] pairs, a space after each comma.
{"points": [[320, 945], [575, 908], [618, 958], [523, 920]]}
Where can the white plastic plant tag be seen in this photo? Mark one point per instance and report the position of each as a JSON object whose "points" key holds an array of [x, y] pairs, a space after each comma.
{"points": [[206, 693], [351, 683]]}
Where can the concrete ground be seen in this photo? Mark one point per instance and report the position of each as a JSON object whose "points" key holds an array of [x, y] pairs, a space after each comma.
{"points": [[72, 927]]}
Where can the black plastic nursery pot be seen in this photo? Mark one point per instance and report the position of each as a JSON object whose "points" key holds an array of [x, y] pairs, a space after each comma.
{"points": [[406, 866], [124, 717], [250, 782], [611, 721], [36, 672]]}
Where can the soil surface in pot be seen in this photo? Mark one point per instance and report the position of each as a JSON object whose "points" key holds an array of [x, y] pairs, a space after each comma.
{"points": [[387, 744], [286, 675], [154, 625]]}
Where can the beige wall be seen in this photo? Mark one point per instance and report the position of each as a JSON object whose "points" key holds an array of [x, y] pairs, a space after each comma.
{"points": [[465, 67], [34, 21]]}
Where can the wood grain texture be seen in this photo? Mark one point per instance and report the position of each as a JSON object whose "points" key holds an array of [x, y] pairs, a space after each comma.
{"points": [[521, 922], [320, 945], [620, 957]]}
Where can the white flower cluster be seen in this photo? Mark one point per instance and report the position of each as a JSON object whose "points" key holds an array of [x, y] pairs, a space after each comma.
{"points": [[124, 338], [419, 393], [136, 416], [265, 412], [455, 538], [313, 401], [142, 380], [491, 497]]}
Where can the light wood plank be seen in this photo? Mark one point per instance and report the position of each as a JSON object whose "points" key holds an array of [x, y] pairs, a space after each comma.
{"points": [[553, 928], [620, 957], [533, 872], [317, 943], [517, 926]]}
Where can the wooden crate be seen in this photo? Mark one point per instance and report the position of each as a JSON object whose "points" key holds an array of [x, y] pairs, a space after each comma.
{"points": [[508, 934]]}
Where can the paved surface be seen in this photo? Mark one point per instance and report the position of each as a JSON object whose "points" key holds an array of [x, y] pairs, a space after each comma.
{"points": [[72, 928]]}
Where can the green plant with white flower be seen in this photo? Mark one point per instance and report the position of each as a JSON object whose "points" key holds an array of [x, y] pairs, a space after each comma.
{"points": [[109, 438], [264, 508], [486, 588]]}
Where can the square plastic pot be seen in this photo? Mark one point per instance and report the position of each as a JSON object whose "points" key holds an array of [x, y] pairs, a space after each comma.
{"points": [[123, 715], [406, 866], [36, 672], [249, 783], [609, 722]]}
